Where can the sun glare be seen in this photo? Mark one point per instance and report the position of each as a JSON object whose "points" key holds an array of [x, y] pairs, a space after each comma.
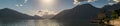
{"points": [[47, 7], [47, 2]]}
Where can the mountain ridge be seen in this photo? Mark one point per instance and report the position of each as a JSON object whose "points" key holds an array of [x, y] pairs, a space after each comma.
{"points": [[82, 15], [9, 14]]}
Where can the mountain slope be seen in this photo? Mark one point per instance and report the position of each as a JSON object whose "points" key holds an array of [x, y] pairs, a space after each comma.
{"points": [[9, 14], [80, 15]]}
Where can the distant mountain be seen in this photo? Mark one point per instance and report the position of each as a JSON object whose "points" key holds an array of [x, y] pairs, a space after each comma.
{"points": [[111, 7], [36, 17], [81, 15], [9, 14]]}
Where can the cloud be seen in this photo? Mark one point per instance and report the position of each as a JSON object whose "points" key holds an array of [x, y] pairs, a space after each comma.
{"points": [[18, 5], [116, 1], [22, 4], [91, 0], [76, 2], [25, 1], [110, 3], [43, 12]]}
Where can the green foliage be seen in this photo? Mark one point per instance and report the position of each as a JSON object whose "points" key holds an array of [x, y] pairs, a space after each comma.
{"points": [[115, 14]]}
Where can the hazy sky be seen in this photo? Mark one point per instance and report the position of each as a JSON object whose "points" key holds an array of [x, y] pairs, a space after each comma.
{"points": [[32, 7]]}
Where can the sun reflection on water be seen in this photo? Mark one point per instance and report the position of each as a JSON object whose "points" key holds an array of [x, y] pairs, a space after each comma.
{"points": [[47, 22]]}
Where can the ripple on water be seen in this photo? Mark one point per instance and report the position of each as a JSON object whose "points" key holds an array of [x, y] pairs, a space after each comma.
{"points": [[48, 22]]}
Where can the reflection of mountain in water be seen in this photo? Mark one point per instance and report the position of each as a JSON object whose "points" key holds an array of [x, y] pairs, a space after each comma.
{"points": [[9, 14]]}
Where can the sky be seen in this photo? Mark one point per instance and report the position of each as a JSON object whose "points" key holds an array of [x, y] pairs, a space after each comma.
{"points": [[49, 7]]}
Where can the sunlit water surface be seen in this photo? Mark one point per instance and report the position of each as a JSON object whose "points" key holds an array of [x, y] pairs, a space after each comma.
{"points": [[44, 22]]}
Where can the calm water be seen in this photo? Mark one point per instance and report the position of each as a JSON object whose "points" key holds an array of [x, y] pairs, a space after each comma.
{"points": [[44, 22]]}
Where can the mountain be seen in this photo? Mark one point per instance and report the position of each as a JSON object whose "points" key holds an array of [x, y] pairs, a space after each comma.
{"points": [[9, 14], [81, 15], [108, 9], [36, 17], [111, 7]]}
